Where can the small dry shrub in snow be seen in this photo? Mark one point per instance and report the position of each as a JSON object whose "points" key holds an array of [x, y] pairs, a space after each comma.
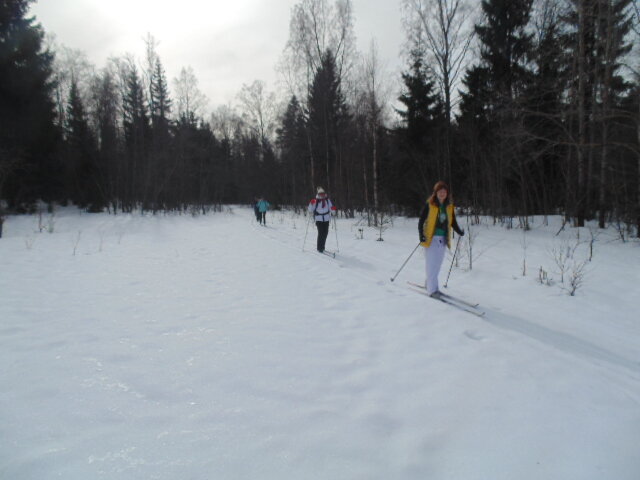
{"points": [[576, 276], [544, 278], [569, 266], [383, 222], [562, 255], [29, 241], [77, 242], [524, 251], [467, 244]]}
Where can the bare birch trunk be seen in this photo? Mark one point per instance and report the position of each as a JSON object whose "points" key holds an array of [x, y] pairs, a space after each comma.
{"points": [[376, 200], [582, 171]]}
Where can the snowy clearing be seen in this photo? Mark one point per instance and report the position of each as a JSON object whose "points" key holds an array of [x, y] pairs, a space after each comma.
{"points": [[209, 347]]}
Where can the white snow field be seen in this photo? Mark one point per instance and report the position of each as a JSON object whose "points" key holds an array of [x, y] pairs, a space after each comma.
{"points": [[209, 347]]}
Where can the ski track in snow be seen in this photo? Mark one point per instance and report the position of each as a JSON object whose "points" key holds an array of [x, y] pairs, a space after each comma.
{"points": [[552, 338], [211, 347]]}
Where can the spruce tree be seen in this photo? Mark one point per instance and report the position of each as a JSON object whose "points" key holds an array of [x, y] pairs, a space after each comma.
{"points": [[160, 102], [80, 155], [418, 161], [475, 136], [505, 45], [327, 114], [597, 43], [422, 106], [505, 49], [136, 135], [28, 137], [160, 163], [291, 140], [109, 164]]}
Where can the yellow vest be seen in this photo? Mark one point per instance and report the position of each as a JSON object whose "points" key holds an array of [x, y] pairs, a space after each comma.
{"points": [[429, 227]]}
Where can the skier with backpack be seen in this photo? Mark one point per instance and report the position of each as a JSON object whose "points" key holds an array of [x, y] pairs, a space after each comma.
{"points": [[322, 209], [256, 210]]}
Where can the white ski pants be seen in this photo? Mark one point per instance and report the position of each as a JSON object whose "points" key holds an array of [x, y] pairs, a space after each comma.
{"points": [[433, 257]]}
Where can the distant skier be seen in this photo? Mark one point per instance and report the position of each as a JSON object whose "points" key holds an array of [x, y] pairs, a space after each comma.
{"points": [[262, 206], [322, 209], [256, 209], [435, 234]]}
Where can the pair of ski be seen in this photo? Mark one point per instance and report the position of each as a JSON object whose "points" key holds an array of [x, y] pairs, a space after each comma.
{"points": [[326, 253], [456, 302]]}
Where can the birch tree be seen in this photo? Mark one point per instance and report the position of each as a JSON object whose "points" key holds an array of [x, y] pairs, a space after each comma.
{"points": [[191, 101], [375, 92], [444, 28], [259, 107]]}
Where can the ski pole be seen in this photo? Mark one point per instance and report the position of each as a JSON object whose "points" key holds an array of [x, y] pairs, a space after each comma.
{"points": [[335, 227], [306, 232], [405, 262], [454, 257]]}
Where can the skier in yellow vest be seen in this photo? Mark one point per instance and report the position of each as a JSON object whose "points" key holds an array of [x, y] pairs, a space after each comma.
{"points": [[436, 221]]}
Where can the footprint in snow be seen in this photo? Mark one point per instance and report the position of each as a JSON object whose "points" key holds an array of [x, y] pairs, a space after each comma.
{"points": [[473, 335]]}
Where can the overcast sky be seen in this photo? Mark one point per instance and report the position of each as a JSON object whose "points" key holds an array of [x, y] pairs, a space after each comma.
{"points": [[227, 42]]}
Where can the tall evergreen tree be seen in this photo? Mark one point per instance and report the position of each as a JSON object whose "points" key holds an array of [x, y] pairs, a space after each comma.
{"points": [[28, 137], [105, 98], [475, 137], [161, 165], [421, 103], [160, 101], [136, 135], [597, 43], [80, 155], [327, 114], [418, 162], [505, 47], [291, 140]]}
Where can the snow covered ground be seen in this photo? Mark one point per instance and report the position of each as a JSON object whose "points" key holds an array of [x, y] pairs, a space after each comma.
{"points": [[208, 347]]}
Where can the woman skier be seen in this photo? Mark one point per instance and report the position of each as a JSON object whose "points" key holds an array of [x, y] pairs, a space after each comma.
{"points": [[436, 221]]}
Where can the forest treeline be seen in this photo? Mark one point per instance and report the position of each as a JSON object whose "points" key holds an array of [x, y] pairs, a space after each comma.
{"points": [[525, 107]]}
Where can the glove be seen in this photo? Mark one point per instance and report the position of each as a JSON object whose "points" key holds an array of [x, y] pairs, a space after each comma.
{"points": [[461, 233], [423, 238]]}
